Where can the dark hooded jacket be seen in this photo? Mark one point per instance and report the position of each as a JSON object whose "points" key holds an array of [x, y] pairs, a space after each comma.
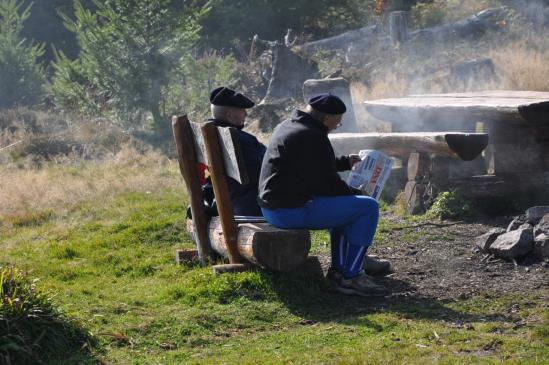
{"points": [[300, 164]]}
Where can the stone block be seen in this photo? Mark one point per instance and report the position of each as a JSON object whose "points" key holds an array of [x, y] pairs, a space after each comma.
{"points": [[513, 244], [542, 226], [541, 246], [534, 214], [516, 222], [484, 241]]}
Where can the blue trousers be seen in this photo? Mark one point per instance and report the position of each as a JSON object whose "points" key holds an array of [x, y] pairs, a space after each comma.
{"points": [[351, 219]]}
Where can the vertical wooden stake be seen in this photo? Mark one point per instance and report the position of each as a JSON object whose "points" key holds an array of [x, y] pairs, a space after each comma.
{"points": [[221, 191], [186, 154]]}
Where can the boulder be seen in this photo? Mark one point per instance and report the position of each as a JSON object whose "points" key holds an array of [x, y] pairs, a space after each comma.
{"points": [[542, 226], [534, 214], [541, 246], [516, 222], [513, 244], [484, 241]]}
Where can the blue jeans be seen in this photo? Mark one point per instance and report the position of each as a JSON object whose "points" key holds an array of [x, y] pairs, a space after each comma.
{"points": [[351, 219]]}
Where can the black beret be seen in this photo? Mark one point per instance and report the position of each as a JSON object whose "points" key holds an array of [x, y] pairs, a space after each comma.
{"points": [[223, 96], [328, 103]]}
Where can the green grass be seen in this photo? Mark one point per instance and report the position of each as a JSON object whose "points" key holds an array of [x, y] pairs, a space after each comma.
{"points": [[111, 265]]}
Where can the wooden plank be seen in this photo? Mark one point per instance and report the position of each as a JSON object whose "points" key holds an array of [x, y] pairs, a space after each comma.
{"points": [[221, 189], [499, 106], [418, 166], [464, 146], [186, 155], [263, 245], [230, 151]]}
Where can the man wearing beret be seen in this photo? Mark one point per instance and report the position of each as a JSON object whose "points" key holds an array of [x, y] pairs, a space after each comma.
{"points": [[229, 110], [299, 188]]}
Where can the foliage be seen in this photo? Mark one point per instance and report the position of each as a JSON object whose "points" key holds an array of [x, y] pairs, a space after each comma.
{"points": [[46, 26], [328, 61], [21, 76], [32, 329], [129, 51], [199, 75], [239, 20], [451, 204]]}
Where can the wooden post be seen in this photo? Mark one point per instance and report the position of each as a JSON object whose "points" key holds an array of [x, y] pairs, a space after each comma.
{"points": [[186, 153], [398, 27], [221, 191]]}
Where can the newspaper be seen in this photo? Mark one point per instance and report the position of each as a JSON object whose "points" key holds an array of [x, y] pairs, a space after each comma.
{"points": [[371, 173]]}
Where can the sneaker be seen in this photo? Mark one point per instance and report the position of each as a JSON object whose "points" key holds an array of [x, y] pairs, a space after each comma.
{"points": [[333, 275], [374, 266], [361, 285]]}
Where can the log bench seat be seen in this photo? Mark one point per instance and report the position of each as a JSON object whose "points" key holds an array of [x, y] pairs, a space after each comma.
{"points": [[241, 240]]}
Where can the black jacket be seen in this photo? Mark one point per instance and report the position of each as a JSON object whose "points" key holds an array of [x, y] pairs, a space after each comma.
{"points": [[300, 164], [244, 197]]}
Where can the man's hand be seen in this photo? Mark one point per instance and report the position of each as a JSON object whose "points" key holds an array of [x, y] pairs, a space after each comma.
{"points": [[353, 159]]}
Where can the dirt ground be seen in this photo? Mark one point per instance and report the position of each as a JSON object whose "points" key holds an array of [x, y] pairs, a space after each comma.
{"points": [[444, 264]]}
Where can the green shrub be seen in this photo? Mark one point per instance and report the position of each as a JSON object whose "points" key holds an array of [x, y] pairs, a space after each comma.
{"points": [[452, 204], [198, 76], [22, 78], [32, 329]]}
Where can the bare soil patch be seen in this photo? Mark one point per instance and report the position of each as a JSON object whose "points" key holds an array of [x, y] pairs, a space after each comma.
{"points": [[439, 260]]}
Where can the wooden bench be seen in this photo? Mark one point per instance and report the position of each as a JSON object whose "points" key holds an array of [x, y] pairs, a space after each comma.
{"points": [[241, 240], [431, 160]]}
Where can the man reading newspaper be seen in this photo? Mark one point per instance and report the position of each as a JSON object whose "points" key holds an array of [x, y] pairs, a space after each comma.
{"points": [[299, 188]]}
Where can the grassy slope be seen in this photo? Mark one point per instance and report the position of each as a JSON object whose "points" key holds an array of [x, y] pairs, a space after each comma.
{"points": [[111, 264]]}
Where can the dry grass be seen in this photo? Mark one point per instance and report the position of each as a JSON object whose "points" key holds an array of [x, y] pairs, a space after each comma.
{"points": [[522, 66], [31, 195]]}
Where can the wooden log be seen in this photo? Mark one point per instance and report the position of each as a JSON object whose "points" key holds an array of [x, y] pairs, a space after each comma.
{"points": [[413, 196], [231, 268], [464, 146], [186, 154], [418, 166], [221, 190], [398, 26], [231, 152], [263, 245], [289, 71], [337, 86], [417, 112]]}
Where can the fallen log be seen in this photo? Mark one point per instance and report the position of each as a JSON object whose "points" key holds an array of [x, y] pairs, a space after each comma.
{"points": [[463, 146], [262, 244], [417, 112]]}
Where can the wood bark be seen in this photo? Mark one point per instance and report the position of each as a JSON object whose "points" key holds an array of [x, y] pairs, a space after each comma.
{"points": [[262, 244], [186, 154], [398, 26], [221, 190], [464, 146]]}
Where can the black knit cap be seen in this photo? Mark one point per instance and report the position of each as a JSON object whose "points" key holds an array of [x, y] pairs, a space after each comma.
{"points": [[328, 103], [223, 96]]}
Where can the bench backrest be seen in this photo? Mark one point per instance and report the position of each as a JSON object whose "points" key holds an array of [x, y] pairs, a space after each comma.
{"points": [[219, 149]]}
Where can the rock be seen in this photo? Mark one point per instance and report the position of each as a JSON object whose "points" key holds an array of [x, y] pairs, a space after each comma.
{"points": [[534, 214], [526, 226], [541, 246], [516, 223], [485, 241], [542, 226], [512, 244]]}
